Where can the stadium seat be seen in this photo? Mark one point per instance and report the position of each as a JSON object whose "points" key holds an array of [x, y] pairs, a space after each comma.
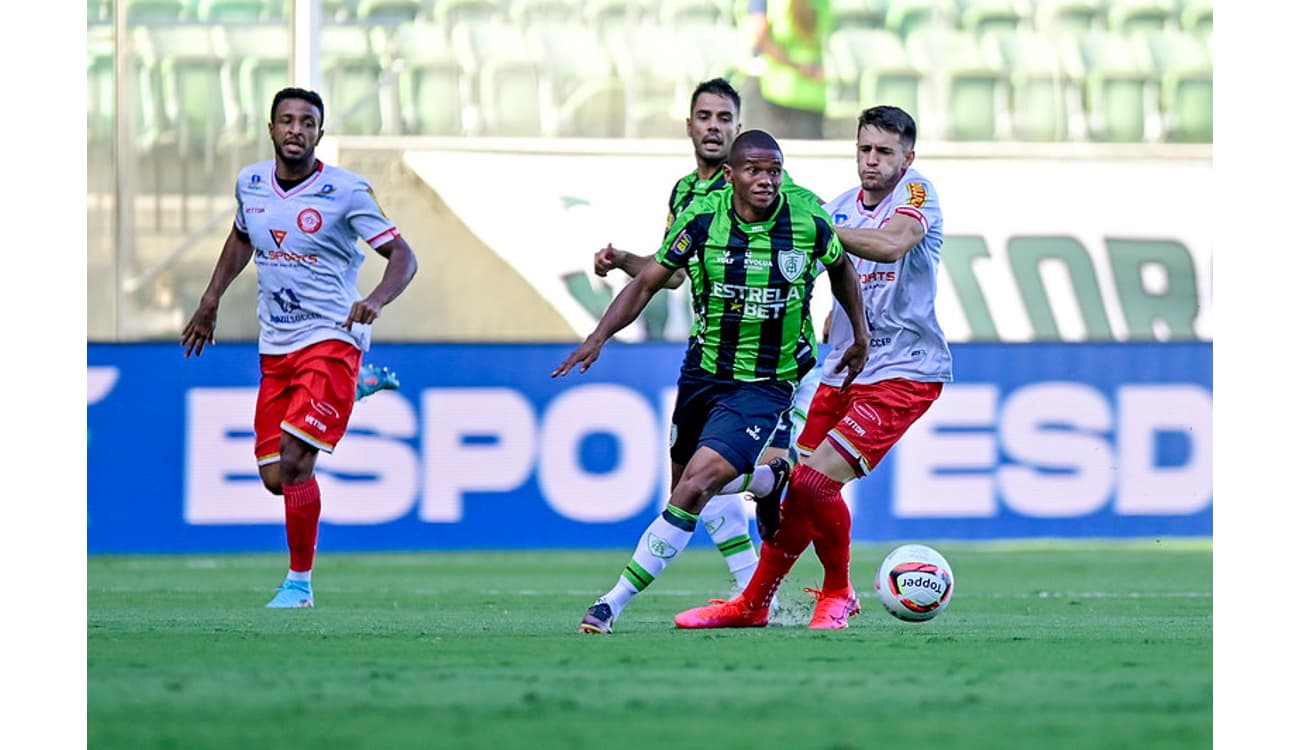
{"points": [[1140, 16], [533, 12], [352, 79], [604, 15], [432, 85], [1186, 86], [154, 11], [1042, 94], [226, 11], [506, 75], [98, 12], [867, 67], [1072, 16], [257, 66], [965, 79], [676, 14], [100, 84], [451, 13], [982, 17], [581, 92], [1118, 86], [1197, 17], [387, 12], [188, 71], [906, 17], [658, 86], [710, 51], [859, 14]]}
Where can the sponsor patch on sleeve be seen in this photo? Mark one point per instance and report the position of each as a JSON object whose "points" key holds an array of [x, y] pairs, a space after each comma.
{"points": [[668, 223], [916, 194], [682, 244]]}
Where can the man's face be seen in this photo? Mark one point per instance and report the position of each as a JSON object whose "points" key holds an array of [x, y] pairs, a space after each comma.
{"points": [[881, 159], [712, 126], [756, 177], [295, 131]]}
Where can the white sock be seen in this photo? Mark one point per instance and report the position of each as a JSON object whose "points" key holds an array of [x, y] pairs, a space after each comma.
{"points": [[728, 525], [299, 575], [759, 482], [664, 538]]}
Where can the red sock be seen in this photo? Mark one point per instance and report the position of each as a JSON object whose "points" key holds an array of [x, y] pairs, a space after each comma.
{"points": [[301, 520], [831, 527], [777, 558]]}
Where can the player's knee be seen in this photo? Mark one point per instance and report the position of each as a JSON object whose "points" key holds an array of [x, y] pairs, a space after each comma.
{"points": [[271, 478]]}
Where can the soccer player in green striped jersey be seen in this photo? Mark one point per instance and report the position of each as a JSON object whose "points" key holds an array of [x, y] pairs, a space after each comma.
{"points": [[752, 254]]}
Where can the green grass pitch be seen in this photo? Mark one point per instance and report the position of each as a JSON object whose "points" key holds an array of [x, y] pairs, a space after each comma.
{"points": [[1044, 645]]}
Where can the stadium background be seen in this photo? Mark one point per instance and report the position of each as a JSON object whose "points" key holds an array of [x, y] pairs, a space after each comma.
{"points": [[509, 139]]}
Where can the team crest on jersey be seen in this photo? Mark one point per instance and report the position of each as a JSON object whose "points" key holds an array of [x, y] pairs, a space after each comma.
{"points": [[309, 221], [915, 194], [278, 235], [792, 263]]}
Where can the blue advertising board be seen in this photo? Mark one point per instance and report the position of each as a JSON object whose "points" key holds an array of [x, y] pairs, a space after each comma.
{"points": [[482, 449]]}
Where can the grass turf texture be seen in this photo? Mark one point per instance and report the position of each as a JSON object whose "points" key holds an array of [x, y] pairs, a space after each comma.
{"points": [[1078, 645]]}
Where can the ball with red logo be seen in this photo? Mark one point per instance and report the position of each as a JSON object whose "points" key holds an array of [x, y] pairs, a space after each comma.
{"points": [[914, 583]]}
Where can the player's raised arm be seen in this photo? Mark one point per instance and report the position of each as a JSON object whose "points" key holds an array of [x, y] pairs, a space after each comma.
{"points": [[625, 308], [201, 328], [848, 293], [609, 257]]}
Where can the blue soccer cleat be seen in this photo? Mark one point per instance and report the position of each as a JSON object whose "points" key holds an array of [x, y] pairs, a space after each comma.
{"points": [[373, 379], [292, 595]]}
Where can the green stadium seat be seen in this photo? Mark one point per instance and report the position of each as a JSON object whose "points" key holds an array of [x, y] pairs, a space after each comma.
{"points": [[1072, 16], [432, 85], [966, 80], [982, 17], [710, 52], [506, 75], [228, 11], [1186, 86], [1197, 17], [1140, 16], [859, 14], [1043, 96], [658, 86], [351, 79], [451, 13], [387, 11], [257, 58], [100, 84], [154, 11], [905, 17], [1118, 84], [532, 12], [865, 68], [604, 15], [187, 68], [98, 12], [582, 94], [676, 14]]}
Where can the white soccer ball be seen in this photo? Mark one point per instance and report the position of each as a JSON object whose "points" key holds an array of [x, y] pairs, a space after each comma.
{"points": [[914, 583]]}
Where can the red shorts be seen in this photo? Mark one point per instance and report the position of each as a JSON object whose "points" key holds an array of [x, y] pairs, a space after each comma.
{"points": [[865, 422], [308, 394]]}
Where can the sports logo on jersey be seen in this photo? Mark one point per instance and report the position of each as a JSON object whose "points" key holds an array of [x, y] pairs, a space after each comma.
{"points": [[309, 220], [792, 263], [682, 244], [278, 235], [287, 300], [255, 179], [326, 189], [915, 194], [840, 219], [376, 200]]}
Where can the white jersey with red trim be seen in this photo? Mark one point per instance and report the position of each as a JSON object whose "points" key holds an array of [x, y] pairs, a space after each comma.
{"points": [[906, 340], [305, 247]]}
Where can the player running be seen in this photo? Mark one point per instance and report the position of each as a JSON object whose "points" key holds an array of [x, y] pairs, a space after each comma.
{"points": [[298, 220]]}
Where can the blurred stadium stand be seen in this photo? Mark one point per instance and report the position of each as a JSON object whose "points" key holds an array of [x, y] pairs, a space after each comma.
{"points": [[198, 76]]}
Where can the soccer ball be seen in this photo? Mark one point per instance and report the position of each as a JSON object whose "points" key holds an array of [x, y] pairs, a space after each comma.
{"points": [[914, 583]]}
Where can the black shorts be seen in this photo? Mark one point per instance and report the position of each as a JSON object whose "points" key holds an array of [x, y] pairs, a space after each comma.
{"points": [[738, 420]]}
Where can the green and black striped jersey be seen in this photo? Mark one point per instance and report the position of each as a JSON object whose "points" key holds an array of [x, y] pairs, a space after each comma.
{"points": [[752, 284], [690, 187]]}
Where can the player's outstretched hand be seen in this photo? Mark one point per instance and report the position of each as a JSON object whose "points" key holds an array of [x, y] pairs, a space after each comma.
{"points": [[605, 260], [583, 357], [851, 364], [200, 331], [363, 311]]}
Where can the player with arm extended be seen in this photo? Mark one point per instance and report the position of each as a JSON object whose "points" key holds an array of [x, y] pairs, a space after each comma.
{"points": [[712, 127], [298, 219], [752, 254], [892, 227]]}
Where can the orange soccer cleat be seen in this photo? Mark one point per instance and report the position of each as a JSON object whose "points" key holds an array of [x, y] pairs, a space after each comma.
{"points": [[833, 610], [723, 613]]}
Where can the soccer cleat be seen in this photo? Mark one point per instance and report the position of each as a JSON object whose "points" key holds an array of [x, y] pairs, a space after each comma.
{"points": [[599, 619], [723, 613], [833, 610], [292, 595], [767, 508], [372, 380]]}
